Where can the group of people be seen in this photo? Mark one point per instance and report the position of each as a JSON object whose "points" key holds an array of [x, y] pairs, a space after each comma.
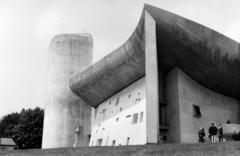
{"points": [[236, 136], [213, 131]]}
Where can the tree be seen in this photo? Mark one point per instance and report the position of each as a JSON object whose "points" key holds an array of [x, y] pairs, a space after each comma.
{"points": [[25, 128], [8, 121]]}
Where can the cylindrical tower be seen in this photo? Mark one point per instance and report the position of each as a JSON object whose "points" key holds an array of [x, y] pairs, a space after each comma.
{"points": [[64, 111]]}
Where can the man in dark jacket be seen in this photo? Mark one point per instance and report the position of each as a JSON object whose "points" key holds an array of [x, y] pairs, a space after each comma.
{"points": [[213, 132], [220, 133]]}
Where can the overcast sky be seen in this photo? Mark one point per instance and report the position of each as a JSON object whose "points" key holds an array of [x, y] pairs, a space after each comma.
{"points": [[27, 26]]}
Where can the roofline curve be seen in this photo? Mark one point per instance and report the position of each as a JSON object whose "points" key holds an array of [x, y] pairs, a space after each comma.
{"points": [[207, 56]]}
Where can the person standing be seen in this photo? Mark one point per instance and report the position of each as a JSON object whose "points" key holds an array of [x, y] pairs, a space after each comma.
{"points": [[213, 132], [201, 135], [235, 136], [220, 133]]}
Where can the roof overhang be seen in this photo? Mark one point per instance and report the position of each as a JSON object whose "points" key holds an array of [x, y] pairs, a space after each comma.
{"points": [[210, 58]]}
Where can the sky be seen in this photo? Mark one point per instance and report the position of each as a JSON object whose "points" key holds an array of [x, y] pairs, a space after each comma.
{"points": [[27, 27]]}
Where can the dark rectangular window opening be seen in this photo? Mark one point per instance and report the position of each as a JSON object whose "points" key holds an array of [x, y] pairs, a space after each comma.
{"points": [[117, 101], [135, 118], [113, 142], [196, 111], [128, 116]]}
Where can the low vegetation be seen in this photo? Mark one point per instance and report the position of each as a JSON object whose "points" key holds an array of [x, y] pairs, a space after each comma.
{"points": [[25, 128]]}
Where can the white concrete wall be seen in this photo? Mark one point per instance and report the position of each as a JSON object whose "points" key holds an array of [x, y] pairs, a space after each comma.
{"points": [[117, 124]]}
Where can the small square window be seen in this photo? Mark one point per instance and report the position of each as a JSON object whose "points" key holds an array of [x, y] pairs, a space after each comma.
{"points": [[196, 111], [135, 118]]}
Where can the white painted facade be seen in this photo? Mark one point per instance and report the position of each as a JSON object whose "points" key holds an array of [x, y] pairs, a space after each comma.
{"points": [[121, 120]]}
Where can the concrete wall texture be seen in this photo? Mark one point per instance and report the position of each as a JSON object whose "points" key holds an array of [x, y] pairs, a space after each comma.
{"points": [[183, 92], [173, 114], [121, 120], [64, 111], [151, 69]]}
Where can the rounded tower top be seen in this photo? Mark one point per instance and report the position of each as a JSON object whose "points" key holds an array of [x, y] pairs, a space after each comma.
{"points": [[71, 49], [84, 38]]}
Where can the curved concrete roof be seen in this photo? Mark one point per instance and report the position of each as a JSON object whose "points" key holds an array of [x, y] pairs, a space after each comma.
{"points": [[210, 58]]}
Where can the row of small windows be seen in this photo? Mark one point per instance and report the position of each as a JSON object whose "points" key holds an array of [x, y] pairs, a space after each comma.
{"points": [[117, 99], [129, 96], [136, 118], [117, 102], [100, 141]]}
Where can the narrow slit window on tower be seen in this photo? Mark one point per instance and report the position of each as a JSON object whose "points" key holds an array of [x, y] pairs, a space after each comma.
{"points": [[196, 111]]}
